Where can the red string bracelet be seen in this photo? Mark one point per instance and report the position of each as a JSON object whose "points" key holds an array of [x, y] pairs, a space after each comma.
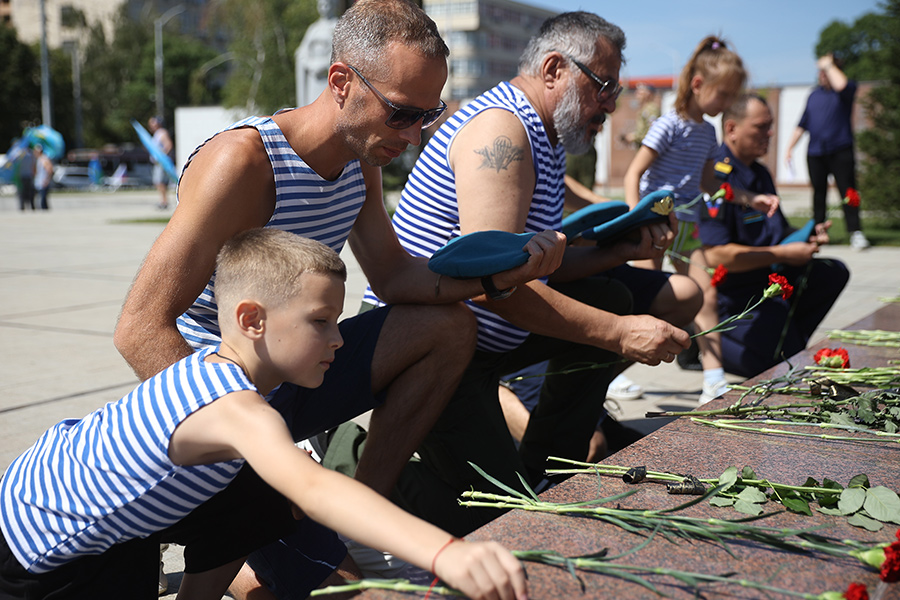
{"points": [[434, 560], [438, 553]]}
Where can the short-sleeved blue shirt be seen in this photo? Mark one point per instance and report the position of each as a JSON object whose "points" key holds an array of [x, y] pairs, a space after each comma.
{"points": [[827, 119], [734, 224]]}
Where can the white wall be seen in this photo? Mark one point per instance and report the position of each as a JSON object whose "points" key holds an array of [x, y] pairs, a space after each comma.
{"points": [[790, 108], [195, 124]]}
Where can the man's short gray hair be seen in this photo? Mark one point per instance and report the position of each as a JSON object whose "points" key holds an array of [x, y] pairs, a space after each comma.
{"points": [[574, 34], [364, 31]]}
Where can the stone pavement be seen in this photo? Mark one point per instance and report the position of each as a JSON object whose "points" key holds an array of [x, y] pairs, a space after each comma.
{"points": [[65, 273]]}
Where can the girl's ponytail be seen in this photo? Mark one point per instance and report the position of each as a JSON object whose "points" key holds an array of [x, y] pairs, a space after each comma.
{"points": [[715, 62]]}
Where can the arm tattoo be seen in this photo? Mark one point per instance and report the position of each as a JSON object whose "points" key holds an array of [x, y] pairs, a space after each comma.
{"points": [[501, 155]]}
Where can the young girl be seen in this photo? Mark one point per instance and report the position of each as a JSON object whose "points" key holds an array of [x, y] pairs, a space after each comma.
{"points": [[677, 154]]}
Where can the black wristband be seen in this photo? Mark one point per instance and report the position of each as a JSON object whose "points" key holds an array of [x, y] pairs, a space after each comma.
{"points": [[487, 283]]}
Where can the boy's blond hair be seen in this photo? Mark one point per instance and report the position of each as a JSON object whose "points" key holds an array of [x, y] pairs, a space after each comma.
{"points": [[265, 265]]}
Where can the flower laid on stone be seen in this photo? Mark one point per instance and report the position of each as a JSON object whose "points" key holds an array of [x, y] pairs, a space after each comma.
{"points": [[855, 591], [778, 286], [867, 337], [832, 357], [864, 505], [852, 198], [885, 558], [665, 522]]}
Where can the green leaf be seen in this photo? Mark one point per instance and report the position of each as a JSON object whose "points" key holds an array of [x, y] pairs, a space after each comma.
{"points": [[866, 415], [748, 473], [728, 478], [860, 520], [797, 505], [839, 418], [826, 510], [748, 508], [829, 499], [861, 481], [752, 494], [851, 500], [721, 501], [882, 503], [890, 426]]}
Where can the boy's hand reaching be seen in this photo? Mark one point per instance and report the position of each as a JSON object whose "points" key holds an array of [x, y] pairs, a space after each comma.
{"points": [[481, 570]]}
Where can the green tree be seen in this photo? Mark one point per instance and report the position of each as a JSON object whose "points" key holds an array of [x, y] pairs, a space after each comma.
{"points": [[880, 145], [119, 78], [20, 94], [861, 46], [264, 35]]}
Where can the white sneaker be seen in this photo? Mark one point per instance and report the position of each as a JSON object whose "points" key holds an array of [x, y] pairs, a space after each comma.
{"points": [[712, 391], [858, 241], [622, 388]]}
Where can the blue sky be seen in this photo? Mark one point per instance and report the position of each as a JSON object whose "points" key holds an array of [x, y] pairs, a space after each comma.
{"points": [[776, 38]]}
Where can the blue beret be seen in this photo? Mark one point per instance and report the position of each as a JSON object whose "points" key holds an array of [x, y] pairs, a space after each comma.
{"points": [[591, 216], [653, 208], [801, 235], [481, 253]]}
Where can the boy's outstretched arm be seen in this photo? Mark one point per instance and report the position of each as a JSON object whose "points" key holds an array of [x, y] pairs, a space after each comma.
{"points": [[242, 424]]}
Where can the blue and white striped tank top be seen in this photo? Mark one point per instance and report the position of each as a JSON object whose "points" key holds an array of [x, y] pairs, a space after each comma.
{"points": [[88, 484], [683, 147], [428, 216], [305, 204]]}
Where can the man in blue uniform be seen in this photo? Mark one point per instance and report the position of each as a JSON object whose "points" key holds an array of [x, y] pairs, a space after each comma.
{"points": [[751, 246]]}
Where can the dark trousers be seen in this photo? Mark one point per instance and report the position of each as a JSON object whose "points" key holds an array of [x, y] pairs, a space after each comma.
{"points": [[750, 348], [472, 429], [26, 193], [842, 165]]}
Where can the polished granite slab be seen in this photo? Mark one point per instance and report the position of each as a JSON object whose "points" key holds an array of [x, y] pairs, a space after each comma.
{"points": [[687, 448]]}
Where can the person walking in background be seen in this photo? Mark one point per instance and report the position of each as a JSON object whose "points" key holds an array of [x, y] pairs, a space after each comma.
{"points": [[43, 175], [25, 171], [828, 120], [162, 139]]}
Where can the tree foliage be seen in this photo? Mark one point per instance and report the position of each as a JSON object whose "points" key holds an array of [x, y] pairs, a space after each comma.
{"points": [[20, 93], [862, 46], [119, 77], [880, 145], [264, 36]]}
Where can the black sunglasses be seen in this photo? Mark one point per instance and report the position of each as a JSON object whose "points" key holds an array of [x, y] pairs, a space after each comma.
{"points": [[403, 117], [608, 89]]}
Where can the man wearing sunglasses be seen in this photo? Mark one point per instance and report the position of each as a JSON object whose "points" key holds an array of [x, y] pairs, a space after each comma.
{"points": [[500, 163], [315, 171]]}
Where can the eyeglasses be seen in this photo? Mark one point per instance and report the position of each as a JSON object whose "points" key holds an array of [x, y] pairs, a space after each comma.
{"points": [[608, 89], [402, 117]]}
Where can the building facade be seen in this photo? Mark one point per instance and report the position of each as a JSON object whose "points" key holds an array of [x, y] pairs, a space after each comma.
{"points": [[486, 38]]}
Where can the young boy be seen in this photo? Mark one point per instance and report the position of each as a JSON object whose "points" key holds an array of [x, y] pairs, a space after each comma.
{"points": [[83, 511]]}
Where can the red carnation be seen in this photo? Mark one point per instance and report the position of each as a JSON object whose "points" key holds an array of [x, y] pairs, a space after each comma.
{"points": [[778, 284], [890, 568], [833, 357], [856, 591], [719, 275], [852, 198], [729, 193]]}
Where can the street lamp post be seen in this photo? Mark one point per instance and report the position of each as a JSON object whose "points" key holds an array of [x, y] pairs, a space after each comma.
{"points": [[158, 61]]}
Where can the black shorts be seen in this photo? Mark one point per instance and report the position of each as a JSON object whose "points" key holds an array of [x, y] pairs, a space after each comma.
{"points": [[127, 570]]}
